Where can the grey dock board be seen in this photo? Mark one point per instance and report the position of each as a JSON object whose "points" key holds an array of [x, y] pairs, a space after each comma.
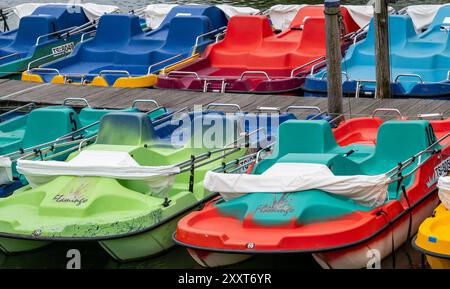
{"points": [[13, 92]]}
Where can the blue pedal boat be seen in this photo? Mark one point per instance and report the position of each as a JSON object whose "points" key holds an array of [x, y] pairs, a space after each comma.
{"points": [[123, 55], [420, 63], [40, 38]]}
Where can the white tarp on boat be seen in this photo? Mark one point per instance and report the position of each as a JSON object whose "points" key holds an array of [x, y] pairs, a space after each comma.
{"points": [[5, 170], [92, 11], [296, 177], [155, 13], [108, 164], [444, 191], [422, 15], [282, 15]]}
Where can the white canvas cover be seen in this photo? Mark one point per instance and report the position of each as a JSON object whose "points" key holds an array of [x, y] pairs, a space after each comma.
{"points": [[108, 164], [92, 11], [5, 170], [155, 13], [444, 191], [282, 15], [422, 15], [296, 177]]}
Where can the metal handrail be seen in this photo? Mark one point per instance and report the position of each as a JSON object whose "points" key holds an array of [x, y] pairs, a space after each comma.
{"points": [[113, 71], [87, 33], [430, 115], [214, 104], [409, 75], [316, 65], [137, 101], [173, 114], [260, 109], [387, 110], [343, 73], [358, 86], [9, 55], [32, 105], [255, 72], [44, 57], [46, 70], [183, 73], [53, 33], [197, 39], [306, 65], [303, 107], [163, 71], [162, 62], [76, 99]]}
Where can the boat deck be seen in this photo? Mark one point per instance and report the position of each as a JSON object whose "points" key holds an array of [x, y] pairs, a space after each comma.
{"points": [[13, 93]]}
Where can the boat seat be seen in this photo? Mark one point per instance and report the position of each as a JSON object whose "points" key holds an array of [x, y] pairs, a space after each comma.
{"points": [[47, 124], [396, 142], [30, 28], [127, 129], [65, 17]]}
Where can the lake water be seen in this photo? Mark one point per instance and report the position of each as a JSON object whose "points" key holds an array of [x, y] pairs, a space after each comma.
{"points": [[92, 256]]}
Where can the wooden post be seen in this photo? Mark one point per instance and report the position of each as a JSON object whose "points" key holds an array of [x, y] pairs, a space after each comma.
{"points": [[334, 56], [383, 68]]}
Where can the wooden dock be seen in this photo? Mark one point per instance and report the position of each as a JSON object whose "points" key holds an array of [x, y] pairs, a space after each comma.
{"points": [[13, 93]]}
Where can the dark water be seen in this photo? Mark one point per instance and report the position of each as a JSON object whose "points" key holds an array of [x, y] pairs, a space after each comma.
{"points": [[93, 256]]}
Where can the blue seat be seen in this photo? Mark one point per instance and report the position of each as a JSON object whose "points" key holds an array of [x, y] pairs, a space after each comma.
{"points": [[133, 50], [414, 57]]}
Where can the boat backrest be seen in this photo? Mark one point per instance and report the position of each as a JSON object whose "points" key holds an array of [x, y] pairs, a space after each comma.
{"points": [[33, 26], [47, 124], [116, 30], [401, 24], [397, 141], [305, 13], [442, 17], [246, 32], [183, 31], [125, 128], [213, 131], [66, 15], [216, 16], [305, 136], [313, 32]]}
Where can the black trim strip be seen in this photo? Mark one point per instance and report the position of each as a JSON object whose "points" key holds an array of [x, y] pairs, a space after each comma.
{"points": [[426, 252]]}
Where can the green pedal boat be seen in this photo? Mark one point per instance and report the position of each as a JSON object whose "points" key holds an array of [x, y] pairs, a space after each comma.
{"points": [[126, 191]]}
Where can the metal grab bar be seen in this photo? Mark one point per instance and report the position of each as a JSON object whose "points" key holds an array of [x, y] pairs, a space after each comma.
{"points": [[214, 104], [137, 101], [112, 71], [306, 65], [38, 40], [76, 99], [172, 115], [46, 70], [162, 62], [184, 73], [255, 72], [358, 86], [163, 71], [387, 110], [343, 73], [87, 33], [313, 69], [260, 109], [448, 75], [197, 39], [409, 75], [32, 105], [302, 107], [45, 57], [9, 55], [430, 116]]}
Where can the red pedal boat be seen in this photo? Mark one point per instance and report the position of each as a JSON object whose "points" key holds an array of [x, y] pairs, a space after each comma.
{"points": [[346, 196], [253, 59]]}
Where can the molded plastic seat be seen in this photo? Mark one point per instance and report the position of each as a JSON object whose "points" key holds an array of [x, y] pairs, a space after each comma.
{"points": [[130, 129]]}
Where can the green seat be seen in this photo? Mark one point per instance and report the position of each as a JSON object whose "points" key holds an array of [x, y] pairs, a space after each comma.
{"points": [[128, 129]]}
